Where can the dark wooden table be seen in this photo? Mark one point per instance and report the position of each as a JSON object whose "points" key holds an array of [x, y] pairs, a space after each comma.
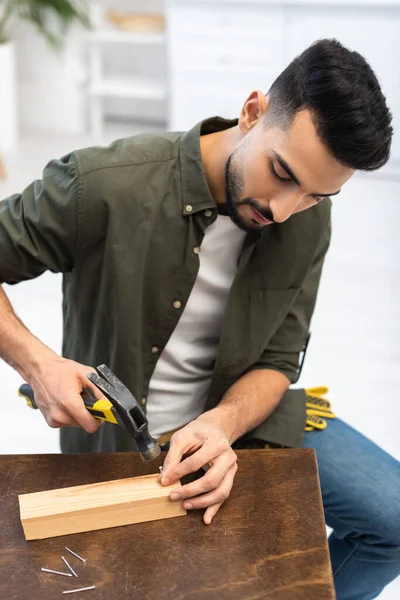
{"points": [[268, 540]]}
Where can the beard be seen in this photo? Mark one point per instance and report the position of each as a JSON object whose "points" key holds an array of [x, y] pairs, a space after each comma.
{"points": [[234, 183]]}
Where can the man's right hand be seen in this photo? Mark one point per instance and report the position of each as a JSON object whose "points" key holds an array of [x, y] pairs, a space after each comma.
{"points": [[56, 382], [57, 386]]}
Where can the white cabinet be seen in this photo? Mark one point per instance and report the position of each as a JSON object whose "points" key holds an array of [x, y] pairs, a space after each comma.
{"points": [[221, 50], [104, 86]]}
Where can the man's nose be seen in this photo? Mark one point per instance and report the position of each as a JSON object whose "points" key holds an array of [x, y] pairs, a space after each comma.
{"points": [[283, 206]]}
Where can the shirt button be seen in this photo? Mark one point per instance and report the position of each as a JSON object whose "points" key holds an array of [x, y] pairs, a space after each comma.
{"points": [[177, 304], [143, 401], [196, 250], [188, 208], [208, 213], [155, 350]]}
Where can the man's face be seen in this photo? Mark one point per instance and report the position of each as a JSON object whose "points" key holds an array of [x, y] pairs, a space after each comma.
{"points": [[273, 173]]}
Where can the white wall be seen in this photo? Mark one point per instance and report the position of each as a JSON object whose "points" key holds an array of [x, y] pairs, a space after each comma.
{"points": [[373, 31], [51, 83]]}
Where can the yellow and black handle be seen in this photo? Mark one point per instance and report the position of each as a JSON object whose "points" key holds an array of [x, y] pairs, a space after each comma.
{"points": [[100, 409]]}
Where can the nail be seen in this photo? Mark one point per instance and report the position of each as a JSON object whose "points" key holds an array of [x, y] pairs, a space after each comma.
{"points": [[69, 566], [91, 587], [75, 554], [188, 506], [56, 572], [165, 480], [175, 496]]}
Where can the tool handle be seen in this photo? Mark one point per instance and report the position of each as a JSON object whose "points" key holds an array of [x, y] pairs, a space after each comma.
{"points": [[100, 409], [25, 391]]}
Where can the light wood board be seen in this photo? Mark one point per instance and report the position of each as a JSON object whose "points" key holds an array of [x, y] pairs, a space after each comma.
{"points": [[96, 506]]}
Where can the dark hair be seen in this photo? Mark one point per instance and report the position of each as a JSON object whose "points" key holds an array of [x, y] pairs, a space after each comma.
{"points": [[348, 107]]}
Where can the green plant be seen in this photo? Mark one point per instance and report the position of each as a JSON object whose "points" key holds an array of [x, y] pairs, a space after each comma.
{"points": [[52, 18]]}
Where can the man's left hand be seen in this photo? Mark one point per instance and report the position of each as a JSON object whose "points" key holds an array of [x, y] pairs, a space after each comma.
{"points": [[209, 446]]}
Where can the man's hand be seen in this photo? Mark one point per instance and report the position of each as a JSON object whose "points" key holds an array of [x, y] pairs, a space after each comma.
{"points": [[57, 386], [208, 445]]}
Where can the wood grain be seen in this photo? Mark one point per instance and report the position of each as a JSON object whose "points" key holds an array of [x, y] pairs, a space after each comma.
{"points": [[96, 506], [267, 542]]}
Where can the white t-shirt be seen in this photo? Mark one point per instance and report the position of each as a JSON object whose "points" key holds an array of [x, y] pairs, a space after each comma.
{"points": [[179, 385]]}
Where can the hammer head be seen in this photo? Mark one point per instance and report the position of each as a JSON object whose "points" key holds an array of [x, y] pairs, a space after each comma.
{"points": [[128, 412]]}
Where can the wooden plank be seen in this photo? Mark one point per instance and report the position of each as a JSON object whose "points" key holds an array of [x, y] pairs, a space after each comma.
{"points": [[96, 506]]}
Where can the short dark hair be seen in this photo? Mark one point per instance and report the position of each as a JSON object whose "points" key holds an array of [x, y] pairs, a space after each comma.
{"points": [[341, 90]]}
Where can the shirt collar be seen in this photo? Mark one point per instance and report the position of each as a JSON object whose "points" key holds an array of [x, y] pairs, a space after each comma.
{"points": [[196, 194]]}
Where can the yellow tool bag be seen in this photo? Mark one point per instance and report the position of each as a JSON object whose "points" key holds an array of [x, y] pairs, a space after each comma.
{"points": [[318, 408]]}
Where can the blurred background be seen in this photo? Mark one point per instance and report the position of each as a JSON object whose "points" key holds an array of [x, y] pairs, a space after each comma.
{"points": [[154, 65]]}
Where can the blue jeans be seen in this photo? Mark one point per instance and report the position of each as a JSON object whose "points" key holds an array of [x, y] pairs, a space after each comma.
{"points": [[360, 486]]}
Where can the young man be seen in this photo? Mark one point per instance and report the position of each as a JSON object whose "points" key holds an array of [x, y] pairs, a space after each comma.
{"points": [[191, 265]]}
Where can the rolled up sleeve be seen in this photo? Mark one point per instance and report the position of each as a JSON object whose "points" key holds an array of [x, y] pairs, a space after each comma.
{"points": [[40, 228]]}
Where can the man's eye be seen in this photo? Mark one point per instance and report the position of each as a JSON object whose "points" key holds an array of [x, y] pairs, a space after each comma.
{"points": [[275, 174]]}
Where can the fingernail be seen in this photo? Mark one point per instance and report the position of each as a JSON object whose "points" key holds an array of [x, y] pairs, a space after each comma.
{"points": [[175, 496], [164, 480], [188, 506]]}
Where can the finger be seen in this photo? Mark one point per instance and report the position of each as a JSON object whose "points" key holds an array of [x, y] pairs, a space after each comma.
{"points": [[54, 414], [79, 413], [206, 454], [57, 419], [210, 513], [210, 481], [216, 496], [180, 443]]}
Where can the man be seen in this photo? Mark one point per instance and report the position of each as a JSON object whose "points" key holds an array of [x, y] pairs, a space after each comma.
{"points": [[190, 266]]}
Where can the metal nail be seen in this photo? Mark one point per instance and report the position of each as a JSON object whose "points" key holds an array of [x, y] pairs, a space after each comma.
{"points": [[56, 572], [75, 554], [69, 566], [92, 587]]}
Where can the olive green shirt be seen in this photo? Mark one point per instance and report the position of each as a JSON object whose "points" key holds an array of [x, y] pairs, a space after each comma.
{"points": [[123, 225]]}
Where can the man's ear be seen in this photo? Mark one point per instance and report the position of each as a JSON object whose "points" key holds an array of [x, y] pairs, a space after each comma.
{"points": [[253, 111]]}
